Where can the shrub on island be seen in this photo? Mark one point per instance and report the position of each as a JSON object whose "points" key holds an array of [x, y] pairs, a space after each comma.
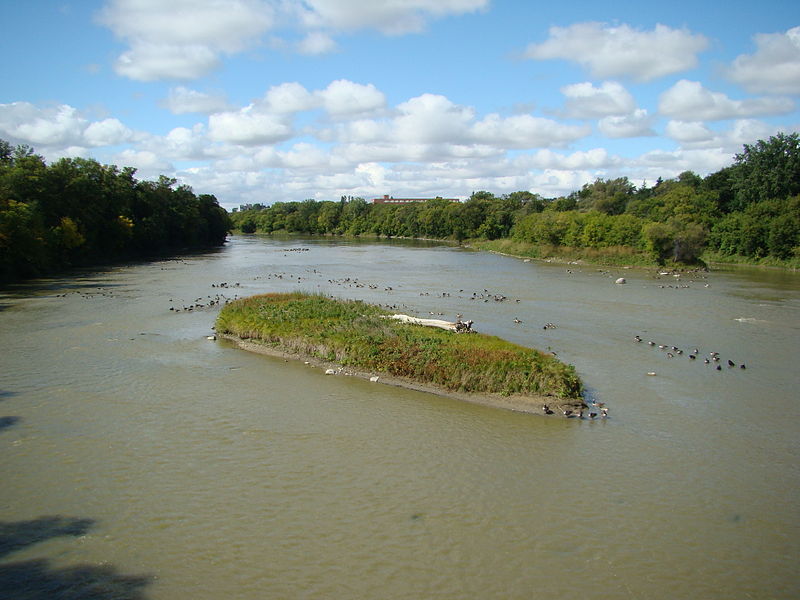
{"points": [[358, 336]]}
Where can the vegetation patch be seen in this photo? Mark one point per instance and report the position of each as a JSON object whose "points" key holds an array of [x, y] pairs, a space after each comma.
{"points": [[358, 336]]}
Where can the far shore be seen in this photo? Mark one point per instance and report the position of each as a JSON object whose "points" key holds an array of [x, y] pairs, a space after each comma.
{"points": [[517, 403]]}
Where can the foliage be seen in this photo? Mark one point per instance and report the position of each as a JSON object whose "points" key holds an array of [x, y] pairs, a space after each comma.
{"points": [[355, 334], [79, 212], [767, 170]]}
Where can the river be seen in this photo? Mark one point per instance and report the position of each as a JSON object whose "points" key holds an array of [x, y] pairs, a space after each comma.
{"points": [[140, 459]]}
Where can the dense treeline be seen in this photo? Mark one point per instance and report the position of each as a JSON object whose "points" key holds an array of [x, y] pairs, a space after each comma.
{"points": [[79, 212], [750, 209]]}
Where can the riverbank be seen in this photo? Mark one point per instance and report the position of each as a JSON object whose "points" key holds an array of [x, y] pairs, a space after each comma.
{"points": [[353, 338]]}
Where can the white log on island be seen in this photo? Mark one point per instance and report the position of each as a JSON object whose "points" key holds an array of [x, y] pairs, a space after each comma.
{"points": [[458, 326]]}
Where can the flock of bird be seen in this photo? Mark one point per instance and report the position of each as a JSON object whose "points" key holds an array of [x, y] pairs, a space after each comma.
{"points": [[592, 411], [673, 351]]}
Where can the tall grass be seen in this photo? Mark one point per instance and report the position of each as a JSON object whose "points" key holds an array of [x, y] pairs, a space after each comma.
{"points": [[354, 334]]}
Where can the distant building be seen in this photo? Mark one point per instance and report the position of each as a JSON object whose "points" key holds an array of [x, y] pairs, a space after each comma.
{"points": [[390, 200]]}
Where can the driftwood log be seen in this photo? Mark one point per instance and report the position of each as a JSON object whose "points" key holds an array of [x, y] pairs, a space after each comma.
{"points": [[458, 326]]}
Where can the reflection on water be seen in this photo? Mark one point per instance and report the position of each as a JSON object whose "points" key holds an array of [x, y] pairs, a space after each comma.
{"points": [[222, 474]]}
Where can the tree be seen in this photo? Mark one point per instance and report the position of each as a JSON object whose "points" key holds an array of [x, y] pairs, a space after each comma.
{"points": [[767, 170]]}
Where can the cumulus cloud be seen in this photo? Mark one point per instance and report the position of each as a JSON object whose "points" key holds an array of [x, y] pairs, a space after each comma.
{"points": [[431, 118], [637, 124], [596, 158], [387, 16], [526, 131], [248, 126], [181, 100], [698, 135], [585, 101], [431, 124], [149, 164], [315, 43], [182, 39], [288, 98], [688, 132], [56, 129], [690, 101], [622, 51], [343, 97], [108, 132], [775, 66]]}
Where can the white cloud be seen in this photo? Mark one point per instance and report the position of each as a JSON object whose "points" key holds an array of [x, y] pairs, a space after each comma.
{"points": [[431, 118], [622, 51], [775, 66], [288, 98], [148, 163], [182, 143], [248, 126], [150, 62], [432, 125], [55, 126], [108, 132], [698, 135], [584, 101], [343, 97], [637, 124], [688, 132], [59, 130], [690, 101], [388, 16], [526, 131], [597, 158], [181, 100], [316, 43], [668, 164], [182, 39]]}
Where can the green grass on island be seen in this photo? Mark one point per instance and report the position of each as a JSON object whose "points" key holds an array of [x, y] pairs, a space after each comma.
{"points": [[357, 335]]}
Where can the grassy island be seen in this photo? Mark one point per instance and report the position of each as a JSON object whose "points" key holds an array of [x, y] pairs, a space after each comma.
{"points": [[358, 337]]}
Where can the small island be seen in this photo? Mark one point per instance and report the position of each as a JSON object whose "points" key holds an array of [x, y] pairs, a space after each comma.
{"points": [[356, 338]]}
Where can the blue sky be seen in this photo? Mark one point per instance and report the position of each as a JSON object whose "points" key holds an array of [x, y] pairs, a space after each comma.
{"points": [[281, 100]]}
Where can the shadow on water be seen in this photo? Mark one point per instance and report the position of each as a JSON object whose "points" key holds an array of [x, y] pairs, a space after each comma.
{"points": [[6, 422], [39, 580]]}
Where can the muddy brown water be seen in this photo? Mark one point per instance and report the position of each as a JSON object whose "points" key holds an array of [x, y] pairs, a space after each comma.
{"points": [[144, 461]]}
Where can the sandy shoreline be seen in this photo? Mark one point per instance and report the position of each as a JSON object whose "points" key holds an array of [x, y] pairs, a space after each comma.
{"points": [[516, 403]]}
